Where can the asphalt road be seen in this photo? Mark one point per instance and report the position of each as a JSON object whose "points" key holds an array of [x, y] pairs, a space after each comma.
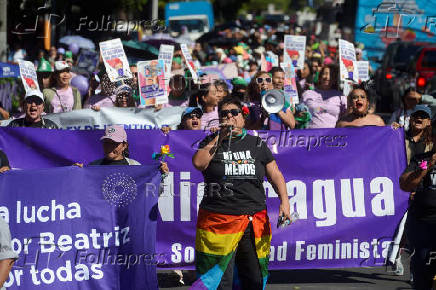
{"points": [[378, 278]]}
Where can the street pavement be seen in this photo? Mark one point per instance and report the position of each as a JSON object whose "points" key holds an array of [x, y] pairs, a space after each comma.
{"points": [[377, 278]]}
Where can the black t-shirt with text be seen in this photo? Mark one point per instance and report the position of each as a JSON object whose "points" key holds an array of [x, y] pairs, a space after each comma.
{"points": [[235, 175], [423, 206]]}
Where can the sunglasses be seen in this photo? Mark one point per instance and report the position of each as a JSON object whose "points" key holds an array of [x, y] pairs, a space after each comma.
{"points": [[193, 115], [356, 97], [122, 96], [261, 80], [35, 100], [225, 113]]}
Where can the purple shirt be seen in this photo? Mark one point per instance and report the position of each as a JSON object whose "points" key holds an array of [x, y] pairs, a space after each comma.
{"points": [[210, 120], [100, 100], [63, 101], [325, 106]]}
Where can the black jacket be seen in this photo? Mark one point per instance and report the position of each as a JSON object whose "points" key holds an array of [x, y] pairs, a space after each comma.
{"points": [[44, 123]]}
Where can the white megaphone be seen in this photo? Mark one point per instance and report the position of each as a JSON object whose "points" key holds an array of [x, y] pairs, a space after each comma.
{"points": [[273, 101]]}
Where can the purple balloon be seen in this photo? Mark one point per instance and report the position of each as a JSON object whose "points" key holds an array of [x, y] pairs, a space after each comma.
{"points": [[81, 83], [74, 48]]}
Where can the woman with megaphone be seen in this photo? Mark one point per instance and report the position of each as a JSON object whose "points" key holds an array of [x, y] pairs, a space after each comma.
{"points": [[267, 114], [232, 219]]}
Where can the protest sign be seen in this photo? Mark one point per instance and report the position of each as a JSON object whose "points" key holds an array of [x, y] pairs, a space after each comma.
{"points": [[290, 84], [347, 59], [28, 75], [332, 198], [189, 61], [294, 50], [363, 70], [115, 60], [151, 82], [82, 228]]}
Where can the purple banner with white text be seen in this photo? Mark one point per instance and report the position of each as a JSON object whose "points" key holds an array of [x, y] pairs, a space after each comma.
{"points": [[338, 180]]}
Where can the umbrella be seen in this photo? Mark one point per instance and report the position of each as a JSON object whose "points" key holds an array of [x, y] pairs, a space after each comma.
{"points": [[141, 46], [137, 51], [157, 42], [82, 42], [159, 35]]}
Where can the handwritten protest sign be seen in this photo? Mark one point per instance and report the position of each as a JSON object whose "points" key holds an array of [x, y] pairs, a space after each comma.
{"points": [[28, 75], [347, 59], [115, 60], [294, 50], [189, 61]]}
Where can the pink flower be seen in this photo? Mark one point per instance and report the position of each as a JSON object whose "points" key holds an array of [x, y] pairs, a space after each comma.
{"points": [[423, 165]]}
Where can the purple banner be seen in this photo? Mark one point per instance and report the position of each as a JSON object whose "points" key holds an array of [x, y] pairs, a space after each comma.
{"points": [[82, 228], [338, 180]]}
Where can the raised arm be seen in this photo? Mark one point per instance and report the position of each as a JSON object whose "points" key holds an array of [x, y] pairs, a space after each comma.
{"points": [[275, 177]]}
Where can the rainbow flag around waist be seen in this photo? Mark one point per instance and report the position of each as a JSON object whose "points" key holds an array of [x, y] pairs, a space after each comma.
{"points": [[216, 240]]}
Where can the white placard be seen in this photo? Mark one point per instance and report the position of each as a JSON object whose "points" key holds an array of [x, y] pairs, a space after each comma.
{"points": [[189, 61], [347, 59], [295, 50], [28, 75], [363, 70], [115, 60]]}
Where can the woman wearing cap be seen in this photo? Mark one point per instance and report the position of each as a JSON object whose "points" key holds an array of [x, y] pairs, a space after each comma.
{"points": [[33, 107], [61, 97], [358, 116], [116, 149], [232, 220], [326, 103], [191, 119], [411, 98]]}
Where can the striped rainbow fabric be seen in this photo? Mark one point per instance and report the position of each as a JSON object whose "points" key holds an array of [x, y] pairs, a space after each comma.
{"points": [[218, 236]]}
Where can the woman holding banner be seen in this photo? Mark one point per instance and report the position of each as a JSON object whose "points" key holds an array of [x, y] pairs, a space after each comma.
{"points": [[359, 106], [116, 149], [233, 226]]}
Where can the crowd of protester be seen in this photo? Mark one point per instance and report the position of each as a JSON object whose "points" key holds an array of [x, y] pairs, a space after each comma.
{"points": [[321, 101]]}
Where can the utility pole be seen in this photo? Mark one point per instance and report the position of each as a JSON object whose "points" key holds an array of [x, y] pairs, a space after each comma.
{"points": [[154, 10], [3, 30]]}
